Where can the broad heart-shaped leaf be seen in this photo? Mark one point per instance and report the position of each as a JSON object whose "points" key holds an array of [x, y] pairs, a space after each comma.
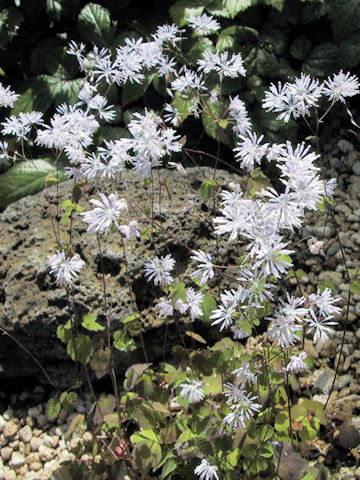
{"points": [[62, 91], [27, 178], [133, 91], [181, 10], [81, 349], [89, 322], [322, 60], [214, 123], [95, 25], [50, 57], [236, 6]]}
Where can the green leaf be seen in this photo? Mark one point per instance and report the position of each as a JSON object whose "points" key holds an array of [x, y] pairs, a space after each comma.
{"points": [[101, 362], [206, 189], [131, 318], [169, 466], [133, 91], [181, 10], [81, 349], [236, 6], [183, 105], [278, 4], [208, 306], [196, 337], [89, 322], [122, 342], [144, 435], [300, 48], [53, 408], [50, 57], [197, 48], [27, 178], [211, 118], [132, 375], [62, 91], [95, 25], [355, 286], [76, 422], [322, 60], [64, 332]]}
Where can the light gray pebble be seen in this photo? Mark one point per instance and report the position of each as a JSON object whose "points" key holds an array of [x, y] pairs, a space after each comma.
{"points": [[11, 428], [46, 453], [17, 459], [9, 474], [8, 414], [2, 423], [35, 411], [345, 146], [25, 434], [35, 443], [6, 453], [356, 167], [41, 420]]}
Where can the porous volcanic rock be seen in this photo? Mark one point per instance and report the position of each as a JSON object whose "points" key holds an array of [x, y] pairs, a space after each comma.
{"points": [[32, 306]]}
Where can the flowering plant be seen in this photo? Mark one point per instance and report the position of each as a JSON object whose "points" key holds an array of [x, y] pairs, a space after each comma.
{"points": [[219, 411]]}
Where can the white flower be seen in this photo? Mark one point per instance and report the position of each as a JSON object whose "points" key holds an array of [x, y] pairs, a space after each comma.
{"points": [[205, 270], [68, 127], [181, 306], [203, 24], [65, 268], [20, 125], [325, 303], [158, 269], [340, 86], [206, 471], [297, 363], [238, 111], [165, 307], [7, 97], [172, 115], [250, 151], [105, 214], [168, 34], [244, 374], [192, 391], [223, 315], [242, 411], [283, 209], [321, 326], [284, 330], [219, 62], [280, 99], [270, 257], [130, 230], [188, 80], [238, 332], [194, 301], [256, 289]]}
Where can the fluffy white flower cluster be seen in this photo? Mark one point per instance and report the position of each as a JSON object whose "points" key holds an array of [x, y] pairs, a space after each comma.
{"points": [[293, 317], [192, 391], [65, 268], [243, 405], [295, 99], [7, 96]]}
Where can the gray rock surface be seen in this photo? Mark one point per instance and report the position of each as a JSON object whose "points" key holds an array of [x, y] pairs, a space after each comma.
{"points": [[32, 306]]}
